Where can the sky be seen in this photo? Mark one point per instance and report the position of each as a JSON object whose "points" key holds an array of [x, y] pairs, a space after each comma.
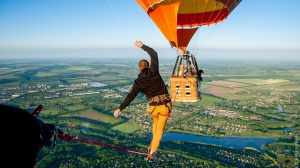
{"points": [[96, 28]]}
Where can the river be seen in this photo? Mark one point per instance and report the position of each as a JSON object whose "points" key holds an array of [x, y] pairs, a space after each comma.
{"points": [[235, 142]]}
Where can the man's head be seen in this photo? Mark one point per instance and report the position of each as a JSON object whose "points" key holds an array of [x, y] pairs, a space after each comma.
{"points": [[143, 64], [21, 136], [181, 66], [188, 63], [200, 71]]}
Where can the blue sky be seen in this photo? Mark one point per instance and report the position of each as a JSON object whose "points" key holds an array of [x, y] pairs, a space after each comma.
{"points": [[93, 28]]}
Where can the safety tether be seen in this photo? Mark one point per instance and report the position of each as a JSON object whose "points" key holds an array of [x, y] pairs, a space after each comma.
{"points": [[48, 131]]}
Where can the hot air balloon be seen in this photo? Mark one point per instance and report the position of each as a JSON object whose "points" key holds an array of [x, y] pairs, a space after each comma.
{"points": [[179, 20]]}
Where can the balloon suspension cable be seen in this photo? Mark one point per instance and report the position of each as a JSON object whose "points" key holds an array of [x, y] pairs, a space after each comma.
{"points": [[205, 33], [166, 68], [166, 83], [120, 20]]}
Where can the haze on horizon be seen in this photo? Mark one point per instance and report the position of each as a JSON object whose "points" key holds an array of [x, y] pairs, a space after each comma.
{"points": [[55, 29], [164, 53]]}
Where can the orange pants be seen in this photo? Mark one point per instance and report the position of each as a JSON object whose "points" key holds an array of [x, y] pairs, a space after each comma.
{"points": [[160, 116]]}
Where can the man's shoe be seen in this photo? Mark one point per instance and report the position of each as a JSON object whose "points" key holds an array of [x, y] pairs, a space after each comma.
{"points": [[150, 156]]}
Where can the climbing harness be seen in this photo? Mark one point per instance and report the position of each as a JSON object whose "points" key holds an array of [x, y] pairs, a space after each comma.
{"points": [[160, 100]]}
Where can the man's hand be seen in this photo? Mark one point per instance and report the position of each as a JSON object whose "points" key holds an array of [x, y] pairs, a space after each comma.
{"points": [[116, 113], [138, 44]]}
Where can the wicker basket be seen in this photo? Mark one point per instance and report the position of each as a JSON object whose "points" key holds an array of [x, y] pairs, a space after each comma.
{"points": [[184, 89]]}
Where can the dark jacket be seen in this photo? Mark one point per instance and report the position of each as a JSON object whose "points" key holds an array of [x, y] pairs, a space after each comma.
{"points": [[149, 82], [199, 73]]}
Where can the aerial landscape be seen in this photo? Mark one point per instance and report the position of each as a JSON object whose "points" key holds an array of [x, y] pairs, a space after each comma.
{"points": [[253, 104], [229, 69]]}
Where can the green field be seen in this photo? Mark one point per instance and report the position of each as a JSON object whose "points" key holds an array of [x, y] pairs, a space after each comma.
{"points": [[79, 68], [255, 81], [126, 128], [45, 74], [206, 100]]}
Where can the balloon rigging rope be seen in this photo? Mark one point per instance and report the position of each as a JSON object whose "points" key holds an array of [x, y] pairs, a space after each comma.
{"points": [[168, 72], [165, 68], [201, 38], [120, 20], [205, 35]]}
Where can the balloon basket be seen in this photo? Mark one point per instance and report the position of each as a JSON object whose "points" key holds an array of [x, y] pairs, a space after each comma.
{"points": [[184, 89]]}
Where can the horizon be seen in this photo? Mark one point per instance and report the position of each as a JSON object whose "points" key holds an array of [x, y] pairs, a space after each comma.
{"points": [[109, 24], [163, 53]]}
